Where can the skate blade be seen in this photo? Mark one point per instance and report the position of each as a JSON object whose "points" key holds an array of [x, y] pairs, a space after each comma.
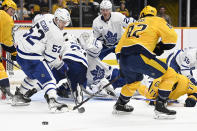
{"points": [[19, 104], [115, 112], [162, 116]]}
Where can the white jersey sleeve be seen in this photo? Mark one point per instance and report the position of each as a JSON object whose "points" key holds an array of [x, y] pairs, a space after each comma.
{"points": [[186, 60]]}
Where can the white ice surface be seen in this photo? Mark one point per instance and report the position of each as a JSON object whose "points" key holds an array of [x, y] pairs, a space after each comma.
{"points": [[97, 117]]}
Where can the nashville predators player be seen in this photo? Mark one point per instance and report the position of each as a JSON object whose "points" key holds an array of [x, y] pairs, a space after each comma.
{"points": [[6, 41], [137, 50], [182, 87]]}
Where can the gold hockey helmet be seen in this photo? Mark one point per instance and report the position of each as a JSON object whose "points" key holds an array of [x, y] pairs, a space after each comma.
{"points": [[10, 3], [148, 10]]}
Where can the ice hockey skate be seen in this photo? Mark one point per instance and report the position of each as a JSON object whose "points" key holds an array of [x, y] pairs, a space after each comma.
{"points": [[31, 92], [161, 112], [19, 99], [54, 106], [122, 108], [6, 94]]}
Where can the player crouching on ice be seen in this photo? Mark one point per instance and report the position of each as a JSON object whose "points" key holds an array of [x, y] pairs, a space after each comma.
{"points": [[75, 58], [182, 87], [38, 48], [136, 51]]}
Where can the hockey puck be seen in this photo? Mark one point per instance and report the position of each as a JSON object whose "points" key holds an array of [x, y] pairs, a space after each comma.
{"points": [[45, 123], [81, 110]]}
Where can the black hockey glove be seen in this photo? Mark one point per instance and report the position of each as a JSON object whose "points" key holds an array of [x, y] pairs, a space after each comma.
{"points": [[190, 102], [158, 51], [13, 56]]}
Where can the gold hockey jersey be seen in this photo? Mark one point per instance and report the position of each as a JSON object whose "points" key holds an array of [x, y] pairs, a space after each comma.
{"points": [[184, 86], [146, 32], [6, 25]]}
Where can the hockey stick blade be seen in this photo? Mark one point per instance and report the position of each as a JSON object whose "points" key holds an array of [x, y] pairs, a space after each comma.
{"points": [[96, 93]]}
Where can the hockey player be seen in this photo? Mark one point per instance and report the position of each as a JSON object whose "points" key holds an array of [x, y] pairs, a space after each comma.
{"points": [[183, 62], [136, 51], [75, 58], [99, 73], [182, 87], [6, 41], [37, 48], [108, 27]]}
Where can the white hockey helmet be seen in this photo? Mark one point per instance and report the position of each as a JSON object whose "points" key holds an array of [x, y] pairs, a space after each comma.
{"points": [[63, 15], [106, 4]]}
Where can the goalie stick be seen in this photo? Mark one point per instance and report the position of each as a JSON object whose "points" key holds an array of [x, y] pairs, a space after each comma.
{"points": [[96, 93]]}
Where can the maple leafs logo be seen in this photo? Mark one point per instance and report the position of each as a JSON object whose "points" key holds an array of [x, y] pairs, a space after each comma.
{"points": [[98, 73], [111, 38]]}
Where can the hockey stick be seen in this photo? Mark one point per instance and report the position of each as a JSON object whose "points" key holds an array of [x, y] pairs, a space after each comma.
{"points": [[145, 99], [96, 93], [10, 62], [80, 110]]}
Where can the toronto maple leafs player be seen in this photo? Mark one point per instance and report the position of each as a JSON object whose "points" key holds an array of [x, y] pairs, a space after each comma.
{"points": [[37, 48], [109, 27], [99, 73], [183, 62], [75, 58]]}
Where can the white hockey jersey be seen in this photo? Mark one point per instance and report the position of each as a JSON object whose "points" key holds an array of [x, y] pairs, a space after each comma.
{"points": [[183, 61], [110, 31], [97, 70], [44, 40], [73, 51]]}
